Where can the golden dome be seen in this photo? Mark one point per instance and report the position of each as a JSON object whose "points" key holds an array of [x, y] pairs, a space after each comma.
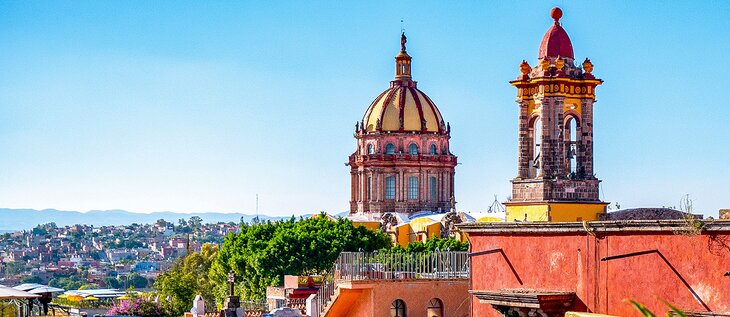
{"points": [[403, 108]]}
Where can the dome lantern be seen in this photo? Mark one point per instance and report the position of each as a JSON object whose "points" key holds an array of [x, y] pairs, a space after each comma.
{"points": [[403, 107], [403, 61]]}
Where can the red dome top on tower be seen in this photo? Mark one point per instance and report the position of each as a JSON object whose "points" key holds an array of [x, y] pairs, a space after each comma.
{"points": [[556, 41]]}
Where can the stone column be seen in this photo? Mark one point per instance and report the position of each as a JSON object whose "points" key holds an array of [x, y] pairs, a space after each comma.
{"points": [[523, 142], [587, 139], [353, 186]]}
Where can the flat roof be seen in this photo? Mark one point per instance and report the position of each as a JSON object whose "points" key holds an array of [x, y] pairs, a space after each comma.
{"points": [[537, 227]]}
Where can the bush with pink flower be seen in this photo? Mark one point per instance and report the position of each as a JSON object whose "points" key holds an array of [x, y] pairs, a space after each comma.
{"points": [[135, 306]]}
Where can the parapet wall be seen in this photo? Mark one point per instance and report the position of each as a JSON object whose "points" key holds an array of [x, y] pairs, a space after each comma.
{"points": [[606, 262]]}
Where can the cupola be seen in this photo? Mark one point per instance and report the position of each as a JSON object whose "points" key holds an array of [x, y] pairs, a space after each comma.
{"points": [[556, 41], [403, 107]]}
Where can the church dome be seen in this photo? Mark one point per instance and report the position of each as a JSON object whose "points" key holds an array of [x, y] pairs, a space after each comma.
{"points": [[556, 41], [402, 107]]}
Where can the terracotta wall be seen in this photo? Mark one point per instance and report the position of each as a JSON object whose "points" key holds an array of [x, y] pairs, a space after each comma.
{"points": [[687, 271], [376, 297]]}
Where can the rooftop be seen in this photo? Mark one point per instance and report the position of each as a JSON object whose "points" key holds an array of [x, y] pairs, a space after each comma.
{"points": [[591, 226]]}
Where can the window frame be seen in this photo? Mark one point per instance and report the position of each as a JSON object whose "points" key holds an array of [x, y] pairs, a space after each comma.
{"points": [[390, 187], [435, 304], [433, 188], [413, 187], [413, 149], [433, 149], [390, 148], [398, 308]]}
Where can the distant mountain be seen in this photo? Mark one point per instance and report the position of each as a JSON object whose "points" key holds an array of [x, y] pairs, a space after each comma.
{"points": [[24, 219]]}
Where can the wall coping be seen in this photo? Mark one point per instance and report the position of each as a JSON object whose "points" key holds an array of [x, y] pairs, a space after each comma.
{"points": [[615, 226]]}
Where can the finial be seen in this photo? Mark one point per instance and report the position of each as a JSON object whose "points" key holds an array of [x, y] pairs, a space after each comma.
{"points": [[403, 41], [587, 66], [544, 64], [556, 14], [559, 63], [525, 67]]}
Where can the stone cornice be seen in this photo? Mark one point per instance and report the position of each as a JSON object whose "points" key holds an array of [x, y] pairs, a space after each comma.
{"points": [[540, 228]]}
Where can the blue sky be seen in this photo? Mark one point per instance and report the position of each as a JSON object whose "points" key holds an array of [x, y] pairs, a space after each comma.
{"points": [[198, 106]]}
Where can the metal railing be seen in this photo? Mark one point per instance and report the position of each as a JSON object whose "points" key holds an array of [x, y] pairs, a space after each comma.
{"points": [[254, 305], [362, 266], [355, 266], [325, 295]]}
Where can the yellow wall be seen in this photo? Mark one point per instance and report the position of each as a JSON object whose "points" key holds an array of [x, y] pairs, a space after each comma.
{"points": [[489, 219], [433, 230], [576, 212], [409, 232], [533, 212], [403, 235], [556, 212], [371, 225], [461, 236]]}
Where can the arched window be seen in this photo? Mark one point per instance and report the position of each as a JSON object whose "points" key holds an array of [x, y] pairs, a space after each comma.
{"points": [[371, 149], [413, 187], [432, 188], [390, 148], [570, 135], [432, 150], [398, 308], [413, 149], [370, 188], [535, 159], [390, 187], [435, 308]]}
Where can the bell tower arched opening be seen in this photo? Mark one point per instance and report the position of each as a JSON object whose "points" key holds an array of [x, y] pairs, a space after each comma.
{"points": [[535, 162], [570, 137]]}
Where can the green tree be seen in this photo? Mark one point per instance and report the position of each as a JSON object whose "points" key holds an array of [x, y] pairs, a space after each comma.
{"points": [[138, 281], [111, 282], [432, 245], [262, 254], [185, 279], [31, 279], [13, 268], [195, 223]]}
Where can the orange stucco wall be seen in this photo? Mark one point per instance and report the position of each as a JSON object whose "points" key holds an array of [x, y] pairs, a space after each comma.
{"points": [[373, 298], [372, 225], [572, 262]]}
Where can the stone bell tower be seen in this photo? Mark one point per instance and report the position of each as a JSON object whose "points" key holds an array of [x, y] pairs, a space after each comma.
{"points": [[555, 180]]}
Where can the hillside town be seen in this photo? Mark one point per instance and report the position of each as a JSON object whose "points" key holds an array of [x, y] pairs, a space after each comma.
{"points": [[108, 256]]}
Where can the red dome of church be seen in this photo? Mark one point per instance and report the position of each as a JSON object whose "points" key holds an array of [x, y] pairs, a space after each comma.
{"points": [[556, 41]]}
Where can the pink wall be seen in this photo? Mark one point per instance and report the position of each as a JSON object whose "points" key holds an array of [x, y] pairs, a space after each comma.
{"points": [[572, 262]]}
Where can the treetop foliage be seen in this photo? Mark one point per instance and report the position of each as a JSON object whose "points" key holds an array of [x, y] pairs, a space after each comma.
{"points": [[261, 254], [434, 244], [185, 279]]}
